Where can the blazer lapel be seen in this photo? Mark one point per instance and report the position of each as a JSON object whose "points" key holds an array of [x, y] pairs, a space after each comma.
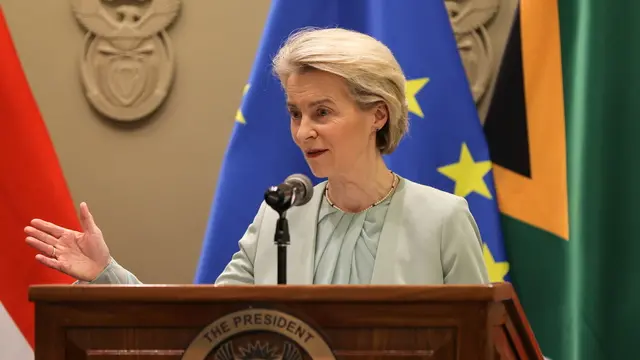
{"points": [[385, 261], [303, 224]]}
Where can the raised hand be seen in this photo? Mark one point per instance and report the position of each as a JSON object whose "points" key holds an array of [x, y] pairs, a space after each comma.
{"points": [[82, 255]]}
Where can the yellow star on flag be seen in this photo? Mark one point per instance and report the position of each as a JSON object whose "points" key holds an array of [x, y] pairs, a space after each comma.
{"points": [[239, 115], [412, 87], [468, 174], [497, 270]]}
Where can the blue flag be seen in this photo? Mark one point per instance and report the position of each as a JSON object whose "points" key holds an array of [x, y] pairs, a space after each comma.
{"points": [[445, 147]]}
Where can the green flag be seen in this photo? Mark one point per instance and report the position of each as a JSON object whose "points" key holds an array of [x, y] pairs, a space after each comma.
{"points": [[564, 131], [601, 54]]}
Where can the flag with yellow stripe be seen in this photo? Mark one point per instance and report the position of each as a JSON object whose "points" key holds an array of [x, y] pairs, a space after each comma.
{"points": [[525, 130], [563, 133]]}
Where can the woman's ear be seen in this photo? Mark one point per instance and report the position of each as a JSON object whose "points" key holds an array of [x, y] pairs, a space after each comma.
{"points": [[381, 115]]}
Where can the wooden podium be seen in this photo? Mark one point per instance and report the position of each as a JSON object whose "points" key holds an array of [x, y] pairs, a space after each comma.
{"points": [[196, 322]]}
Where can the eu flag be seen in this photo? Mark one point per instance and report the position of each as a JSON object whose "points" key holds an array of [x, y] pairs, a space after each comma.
{"points": [[445, 147]]}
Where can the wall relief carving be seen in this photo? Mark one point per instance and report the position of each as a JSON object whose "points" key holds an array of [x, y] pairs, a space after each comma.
{"points": [[127, 64], [470, 20]]}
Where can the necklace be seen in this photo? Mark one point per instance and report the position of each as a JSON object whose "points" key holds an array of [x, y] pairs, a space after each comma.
{"points": [[393, 186]]}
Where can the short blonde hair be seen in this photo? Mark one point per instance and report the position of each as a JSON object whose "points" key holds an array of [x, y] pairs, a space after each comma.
{"points": [[371, 71]]}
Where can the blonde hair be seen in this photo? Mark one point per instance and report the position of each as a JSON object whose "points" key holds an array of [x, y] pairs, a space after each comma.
{"points": [[371, 71]]}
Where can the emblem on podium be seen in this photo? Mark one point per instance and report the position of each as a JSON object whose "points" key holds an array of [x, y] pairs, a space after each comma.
{"points": [[258, 334]]}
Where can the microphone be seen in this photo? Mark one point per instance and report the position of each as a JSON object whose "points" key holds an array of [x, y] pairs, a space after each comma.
{"points": [[296, 190]]}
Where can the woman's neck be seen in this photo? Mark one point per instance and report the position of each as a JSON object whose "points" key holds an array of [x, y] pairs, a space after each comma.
{"points": [[358, 190]]}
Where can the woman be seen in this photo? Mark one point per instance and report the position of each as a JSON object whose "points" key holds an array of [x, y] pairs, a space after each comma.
{"points": [[364, 225]]}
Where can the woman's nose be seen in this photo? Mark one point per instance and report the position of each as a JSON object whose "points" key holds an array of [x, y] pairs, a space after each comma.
{"points": [[305, 130]]}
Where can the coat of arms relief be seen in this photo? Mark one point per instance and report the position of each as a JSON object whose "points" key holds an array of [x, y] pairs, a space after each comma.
{"points": [[127, 64]]}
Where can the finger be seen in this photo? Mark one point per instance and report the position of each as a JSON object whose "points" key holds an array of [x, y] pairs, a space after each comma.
{"points": [[50, 262], [39, 245], [40, 235], [48, 227], [88, 224]]}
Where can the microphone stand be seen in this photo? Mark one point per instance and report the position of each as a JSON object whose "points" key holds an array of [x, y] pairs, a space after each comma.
{"points": [[281, 239], [278, 202]]}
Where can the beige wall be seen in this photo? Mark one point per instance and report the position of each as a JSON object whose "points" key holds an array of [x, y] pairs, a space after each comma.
{"points": [[149, 187]]}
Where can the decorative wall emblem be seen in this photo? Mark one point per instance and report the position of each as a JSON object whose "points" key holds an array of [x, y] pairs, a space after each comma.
{"points": [[469, 19], [258, 334], [127, 64]]}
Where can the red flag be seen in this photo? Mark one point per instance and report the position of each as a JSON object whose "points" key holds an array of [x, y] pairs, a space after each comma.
{"points": [[32, 185]]}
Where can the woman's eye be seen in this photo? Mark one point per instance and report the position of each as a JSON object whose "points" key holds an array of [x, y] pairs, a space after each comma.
{"points": [[295, 114], [323, 112]]}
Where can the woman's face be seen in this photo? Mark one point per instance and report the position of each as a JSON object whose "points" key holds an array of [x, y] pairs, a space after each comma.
{"points": [[332, 131]]}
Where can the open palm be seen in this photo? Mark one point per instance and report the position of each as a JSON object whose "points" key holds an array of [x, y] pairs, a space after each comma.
{"points": [[82, 255]]}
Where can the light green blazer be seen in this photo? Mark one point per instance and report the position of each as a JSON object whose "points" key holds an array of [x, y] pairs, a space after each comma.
{"points": [[428, 237]]}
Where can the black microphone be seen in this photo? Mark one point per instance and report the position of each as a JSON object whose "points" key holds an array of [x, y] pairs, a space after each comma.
{"points": [[296, 190]]}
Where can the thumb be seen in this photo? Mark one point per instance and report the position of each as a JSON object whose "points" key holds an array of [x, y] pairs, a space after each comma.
{"points": [[86, 219]]}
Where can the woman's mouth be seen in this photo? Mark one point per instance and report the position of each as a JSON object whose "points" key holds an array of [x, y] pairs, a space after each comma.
{"points": [[315, 153]]}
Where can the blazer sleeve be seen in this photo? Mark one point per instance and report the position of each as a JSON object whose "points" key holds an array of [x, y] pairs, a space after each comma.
{"points": [[114, 274], [239, 271], [461, 247]]}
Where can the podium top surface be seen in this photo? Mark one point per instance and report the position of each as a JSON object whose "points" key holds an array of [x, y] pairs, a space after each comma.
{"points": [[299, 293]]}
